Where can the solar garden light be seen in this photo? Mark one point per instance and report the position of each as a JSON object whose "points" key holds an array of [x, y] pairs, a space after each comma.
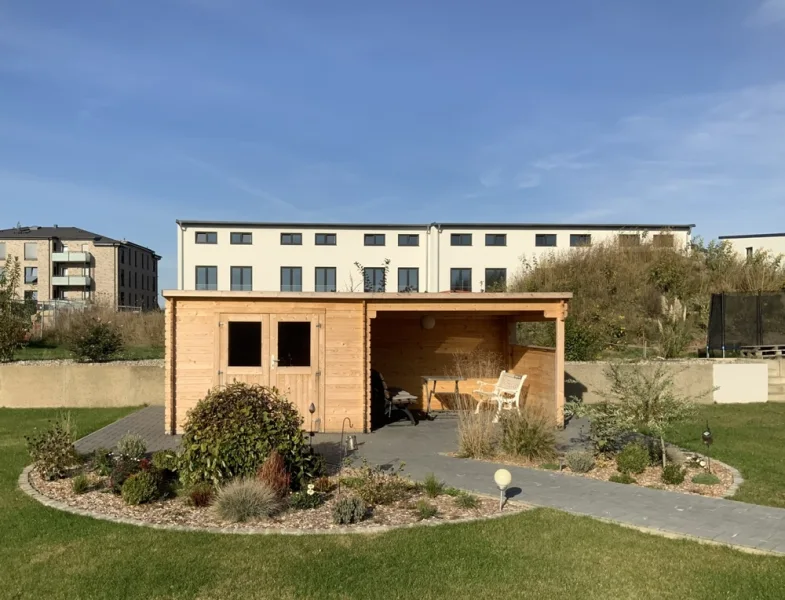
{"points": [[502, 478], [708, 439]]}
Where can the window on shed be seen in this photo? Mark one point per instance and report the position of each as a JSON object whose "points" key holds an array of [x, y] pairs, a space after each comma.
{"points": [[294, 344], [245, 344]]}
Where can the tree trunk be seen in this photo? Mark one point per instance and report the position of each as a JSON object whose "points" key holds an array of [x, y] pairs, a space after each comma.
{"points": [[662, 445]]}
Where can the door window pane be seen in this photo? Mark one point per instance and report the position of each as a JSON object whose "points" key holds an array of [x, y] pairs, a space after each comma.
{"points": [[374, 279], [325, 279], [495, 280], [294, 344], [408, 280], [206, 278], [545, 239], [241, 279], [460, 280], [291, 279], [245, 344]]}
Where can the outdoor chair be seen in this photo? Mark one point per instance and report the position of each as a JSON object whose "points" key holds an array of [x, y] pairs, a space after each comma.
{"points": [[394, 398], [506, 393]]}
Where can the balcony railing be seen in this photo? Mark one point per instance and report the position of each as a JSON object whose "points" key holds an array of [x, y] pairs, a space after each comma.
{"points": [[71, 257], [72, 280]]}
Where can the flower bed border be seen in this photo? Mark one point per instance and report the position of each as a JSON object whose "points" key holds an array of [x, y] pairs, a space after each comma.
{"points": [[30, 490]]}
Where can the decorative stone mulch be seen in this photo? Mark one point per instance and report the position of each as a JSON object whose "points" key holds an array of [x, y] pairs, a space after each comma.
{"points": [[175, 511]]}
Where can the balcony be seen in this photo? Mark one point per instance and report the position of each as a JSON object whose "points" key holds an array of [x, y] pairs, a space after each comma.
{"points": [[72, 280], [71, 257]]}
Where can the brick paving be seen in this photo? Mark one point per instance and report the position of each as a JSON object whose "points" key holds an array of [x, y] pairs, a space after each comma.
{"points": [[423, 450]]}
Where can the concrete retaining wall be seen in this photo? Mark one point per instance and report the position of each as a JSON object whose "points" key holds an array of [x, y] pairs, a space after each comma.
{"points": [[734, 380], [73, 385]]}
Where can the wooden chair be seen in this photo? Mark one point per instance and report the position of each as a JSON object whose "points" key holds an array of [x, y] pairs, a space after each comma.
{"points": [[394, 398], [506, 393]]}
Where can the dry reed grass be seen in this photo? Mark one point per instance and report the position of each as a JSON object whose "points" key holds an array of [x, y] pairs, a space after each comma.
{"points": [[137, 329]]}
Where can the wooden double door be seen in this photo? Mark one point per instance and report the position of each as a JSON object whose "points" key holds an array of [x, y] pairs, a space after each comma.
{"points": [[285, 351]]}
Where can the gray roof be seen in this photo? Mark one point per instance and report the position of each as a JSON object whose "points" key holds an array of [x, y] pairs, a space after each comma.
{"points": [[34, 232], [752, 235]]}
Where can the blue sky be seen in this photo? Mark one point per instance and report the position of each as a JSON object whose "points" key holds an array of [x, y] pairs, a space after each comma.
{"points": [[120, 117]]}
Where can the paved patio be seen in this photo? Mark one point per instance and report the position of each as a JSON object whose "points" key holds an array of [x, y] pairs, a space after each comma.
{"points": [[423, 449]]}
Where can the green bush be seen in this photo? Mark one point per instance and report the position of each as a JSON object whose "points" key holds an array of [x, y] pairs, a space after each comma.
{"points": [[122, 469], [141, 487], [551, 466], [349, 510], [102, 461], [621, 478], [200, 494], [231, 432], [132, 446], [465, 500], [432, 486], [453, 492], [582, 341], [425, 510], [15, 316], [706, 479], [306, 499], [80, 484], [243, 499], [673, 474], [580, 461], [95, 340], [52, 450], [634, 458], [528, 436], [165, 460]]}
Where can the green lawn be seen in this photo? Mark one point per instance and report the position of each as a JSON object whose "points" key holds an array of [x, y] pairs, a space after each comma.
{"points": [[540, 554], [750, 437], [43, 351]]}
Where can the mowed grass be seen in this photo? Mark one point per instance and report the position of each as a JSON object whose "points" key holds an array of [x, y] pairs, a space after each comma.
{"points": [[44, 351], [539, 554], [750, 437]]}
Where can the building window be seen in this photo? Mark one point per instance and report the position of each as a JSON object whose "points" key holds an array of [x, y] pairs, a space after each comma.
{"points": [[495, 239], [2, 250], [578, 240], [495, 280], [325, 239], [461, 239], [240, 238], [245, 344], [663, 240], [122, 298], [31, 250], [206, 237], [374, 239], [294, 343], [136, 258], [122, 277], [155, 265], [122, 256], [291, 239], [460, 280], [241, 279], [375, 279], [325, 279], [628, 240], [291, 279], [408, 279], [136, 280], [31, 295], [31, 275], [749, 252], [408, 239], [545, 240], [206, 278]]}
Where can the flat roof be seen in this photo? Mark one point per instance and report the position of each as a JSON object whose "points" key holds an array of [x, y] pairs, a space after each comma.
{"points": [[752, 235], [386, 296], [371, 226]]}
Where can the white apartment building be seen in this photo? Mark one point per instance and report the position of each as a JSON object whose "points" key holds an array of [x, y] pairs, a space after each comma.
{"points": [[747, 245], [324, 257]]}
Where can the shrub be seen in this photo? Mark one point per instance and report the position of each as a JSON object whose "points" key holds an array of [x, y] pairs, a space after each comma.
{"points": [[580, 461], [425, 510], [132, 446], [231, 431], [306, 499], [122, 469], [582, 341], [376, 486], [432, 486], [527, 436], [476, 433], [243, 499], [52, 450], [102, 461], [200, 494], [273, 473], [675, 455], [15, 316], [453, 492], [323, 485], [465, 500], [95, 340], [141, 487], [621, 478], [165, 461], [634, 458], [673, 474], [80, 484], [349, 510], [551, 466], [706, 479]]}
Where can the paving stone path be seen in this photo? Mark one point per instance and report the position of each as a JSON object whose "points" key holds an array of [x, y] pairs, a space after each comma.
{"points": [[423, 450]]}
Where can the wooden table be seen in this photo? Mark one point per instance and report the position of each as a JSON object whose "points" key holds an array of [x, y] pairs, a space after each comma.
{"points": [[428, 379]]}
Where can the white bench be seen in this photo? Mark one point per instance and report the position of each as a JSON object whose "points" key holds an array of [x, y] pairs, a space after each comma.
{"points": [[506, 393]]}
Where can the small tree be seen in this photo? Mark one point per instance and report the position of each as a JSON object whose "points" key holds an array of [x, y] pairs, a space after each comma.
{"points": [[368, 284], [15, 319]]}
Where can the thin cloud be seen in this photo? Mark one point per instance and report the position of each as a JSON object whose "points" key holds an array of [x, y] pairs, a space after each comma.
{"points": [[770, 12]]}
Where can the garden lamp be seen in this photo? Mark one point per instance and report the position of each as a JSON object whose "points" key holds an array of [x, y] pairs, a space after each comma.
{"points": [[502, 478], [311, 409], [708, 439]]}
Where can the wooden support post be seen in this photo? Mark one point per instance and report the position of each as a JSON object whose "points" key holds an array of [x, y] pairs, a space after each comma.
{"points": [[559, 370]]}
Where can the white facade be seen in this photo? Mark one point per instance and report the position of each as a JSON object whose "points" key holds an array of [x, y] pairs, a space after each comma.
{"points": [[746, 245], [435, 256]]}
